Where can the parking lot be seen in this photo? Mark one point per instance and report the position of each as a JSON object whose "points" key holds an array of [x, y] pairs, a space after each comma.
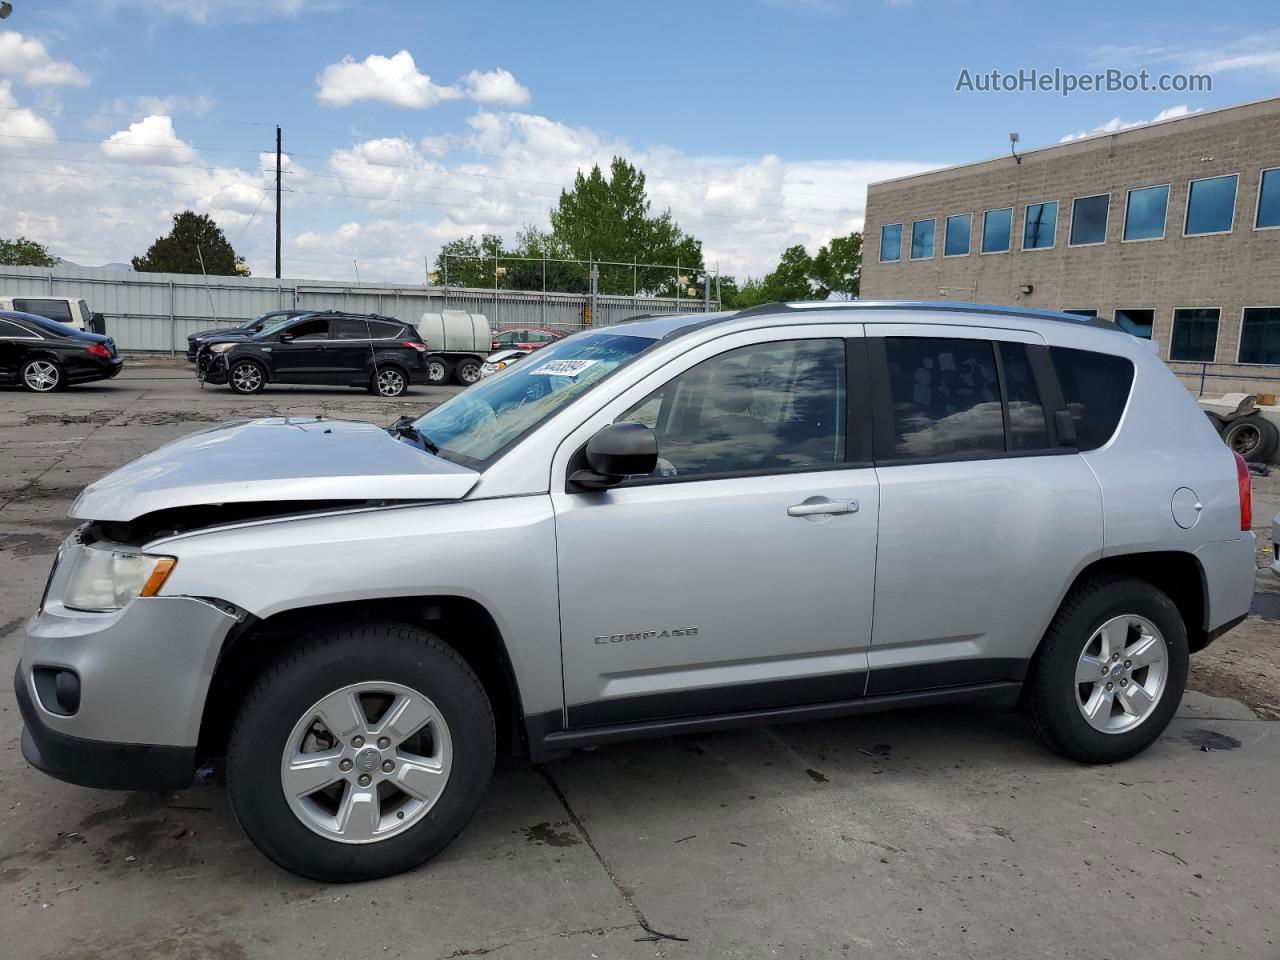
{"points": [[942, 833]]}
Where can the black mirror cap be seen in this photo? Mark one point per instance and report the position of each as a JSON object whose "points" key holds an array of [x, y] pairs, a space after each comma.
{"points": [[286, 338], [616, 452]]}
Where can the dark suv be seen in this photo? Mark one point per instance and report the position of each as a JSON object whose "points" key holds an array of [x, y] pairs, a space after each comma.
{"points": [[381, 354]]}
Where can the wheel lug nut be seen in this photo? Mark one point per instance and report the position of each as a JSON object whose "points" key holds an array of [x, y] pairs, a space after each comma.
{"points": [[383, 743], [387, 766], [1105, 670], [1109, 686], [357, 741], [1128, 664], [1115, 656], [1124, 683], [344, 765], [365, 779]]}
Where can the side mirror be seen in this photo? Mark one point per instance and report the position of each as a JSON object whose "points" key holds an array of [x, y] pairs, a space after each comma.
{"points": [[616, 452], [286, 338]]}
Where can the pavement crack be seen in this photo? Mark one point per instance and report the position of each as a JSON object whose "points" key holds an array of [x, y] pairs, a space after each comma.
{"points": [[623, 890], [586, 931]]}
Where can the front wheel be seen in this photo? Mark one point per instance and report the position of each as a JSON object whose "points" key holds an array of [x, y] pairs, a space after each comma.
{"points": [[246, 377], [1110, 672], [360, 754]]}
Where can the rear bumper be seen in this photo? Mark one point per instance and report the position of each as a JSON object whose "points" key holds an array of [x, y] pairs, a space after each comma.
{"points": [[99, 763], [100, 370]]}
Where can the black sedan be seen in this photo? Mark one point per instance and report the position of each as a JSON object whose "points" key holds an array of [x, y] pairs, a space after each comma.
{"points": [[44, 355], [242, 332], [380, 354]]}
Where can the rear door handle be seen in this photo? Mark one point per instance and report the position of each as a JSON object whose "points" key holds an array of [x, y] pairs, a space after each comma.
{"points": [[819, 506]]}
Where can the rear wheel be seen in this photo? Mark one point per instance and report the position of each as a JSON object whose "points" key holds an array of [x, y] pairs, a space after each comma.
{"points": [[389, 382], [1253, 437], [468, 371], [1110, 671], [438, 370], [43, 376], [361, 754], [245, 376]]}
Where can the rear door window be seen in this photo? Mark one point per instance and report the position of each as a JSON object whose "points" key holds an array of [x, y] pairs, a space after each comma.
{"points": [[58, 310], [1028, 429], [1095, 388], [945, 396]]}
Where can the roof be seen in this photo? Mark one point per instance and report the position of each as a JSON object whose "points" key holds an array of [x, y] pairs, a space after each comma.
{"points": [[664, 326]]}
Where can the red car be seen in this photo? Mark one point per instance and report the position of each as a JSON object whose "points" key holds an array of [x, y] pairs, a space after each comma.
{"points": [[525, 338]]}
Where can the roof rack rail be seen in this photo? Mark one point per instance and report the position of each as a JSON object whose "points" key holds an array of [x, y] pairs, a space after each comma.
{"points": [[952, 306]]}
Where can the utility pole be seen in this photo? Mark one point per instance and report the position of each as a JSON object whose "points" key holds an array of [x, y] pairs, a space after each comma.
{"points": [[278, 192]]}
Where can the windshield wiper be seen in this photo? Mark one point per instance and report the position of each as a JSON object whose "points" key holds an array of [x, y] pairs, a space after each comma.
{"points": [[403, 427]]}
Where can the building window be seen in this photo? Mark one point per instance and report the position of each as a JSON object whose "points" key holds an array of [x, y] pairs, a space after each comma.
{"points": [[1260, 335], [890, 242], [1144, 214], [996, 226], [1195, 335], [922, 239], [1211, 205], [1039, 226], [1089, 220], [959, 226], [1139, 323], [1268, 200], [1082, 312]]}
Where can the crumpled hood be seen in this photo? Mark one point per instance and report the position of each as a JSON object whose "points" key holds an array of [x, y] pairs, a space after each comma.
{"points": [[275, 458]]}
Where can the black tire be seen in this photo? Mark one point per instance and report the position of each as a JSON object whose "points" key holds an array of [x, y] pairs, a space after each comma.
{"points": [[318, 666], [438, 370], [43, 375], [467, 371], [1253, 437], [389, 380], [1050, 693], [246, 383]]}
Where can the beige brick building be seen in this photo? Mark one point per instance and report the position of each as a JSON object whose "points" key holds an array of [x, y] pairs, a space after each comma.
{"points": [[1173, 227]]}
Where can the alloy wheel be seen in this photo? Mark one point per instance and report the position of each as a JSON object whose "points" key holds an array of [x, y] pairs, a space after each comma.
{"points": [[390, 383], [366, 762], [246, 377], [41, 376], [1121, 673], [1245, 439]]}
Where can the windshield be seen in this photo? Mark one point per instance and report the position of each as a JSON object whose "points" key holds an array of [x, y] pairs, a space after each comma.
{"points": [[274, 324], [488, 416]]}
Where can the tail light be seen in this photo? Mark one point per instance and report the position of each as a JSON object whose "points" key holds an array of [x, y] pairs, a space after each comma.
{"points": [[420, 347], [1246, 492], [100, 350]]}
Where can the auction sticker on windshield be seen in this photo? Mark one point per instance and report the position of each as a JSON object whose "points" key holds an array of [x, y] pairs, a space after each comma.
{"points": [[562, 368]]}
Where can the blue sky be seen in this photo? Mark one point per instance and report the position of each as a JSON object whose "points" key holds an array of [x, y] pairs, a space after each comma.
{"points": [[759, 121]]}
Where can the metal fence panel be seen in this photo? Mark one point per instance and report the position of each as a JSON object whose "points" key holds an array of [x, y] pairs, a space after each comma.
{"points": [[154, 312]]}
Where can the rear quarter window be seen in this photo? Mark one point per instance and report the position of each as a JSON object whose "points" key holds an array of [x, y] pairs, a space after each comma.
{"points": [[1095, 387]]}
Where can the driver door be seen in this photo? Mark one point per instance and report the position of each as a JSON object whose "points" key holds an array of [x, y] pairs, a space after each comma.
{"points": [[740, 575], [303, 358]]}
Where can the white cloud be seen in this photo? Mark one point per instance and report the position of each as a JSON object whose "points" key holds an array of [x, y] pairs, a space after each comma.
{"points": [[150, 140], [195, 105], [1252, 53], [395, 80], [1115, 124], [22, 124], [25, 59], [496, 87]]}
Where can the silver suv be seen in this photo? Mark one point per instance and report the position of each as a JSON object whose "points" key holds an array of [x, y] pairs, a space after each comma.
{"points": [[678, 524]]}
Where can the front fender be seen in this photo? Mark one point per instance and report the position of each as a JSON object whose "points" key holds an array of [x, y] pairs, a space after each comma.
{"points": [[499, 553]]}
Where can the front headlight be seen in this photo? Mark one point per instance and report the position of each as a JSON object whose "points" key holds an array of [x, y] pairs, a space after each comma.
{"points": [[220, 347], [106, 580]]}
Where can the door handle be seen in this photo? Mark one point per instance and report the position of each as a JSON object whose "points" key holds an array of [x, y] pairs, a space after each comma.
{"points": [[819, 506]]}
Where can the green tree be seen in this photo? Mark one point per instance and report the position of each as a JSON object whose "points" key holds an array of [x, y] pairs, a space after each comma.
{"points": [[468, 262], [25, 253], [790, 279], [193, 238], [608, 218], [837, 268]]}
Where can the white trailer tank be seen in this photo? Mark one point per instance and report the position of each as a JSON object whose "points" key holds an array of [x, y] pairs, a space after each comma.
{"points": [[457, 343]]}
